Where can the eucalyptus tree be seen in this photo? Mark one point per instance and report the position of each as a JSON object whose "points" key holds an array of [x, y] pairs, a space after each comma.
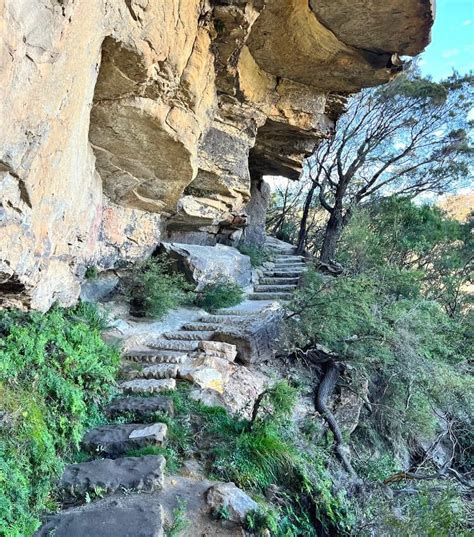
{"points": [[409, 138]]}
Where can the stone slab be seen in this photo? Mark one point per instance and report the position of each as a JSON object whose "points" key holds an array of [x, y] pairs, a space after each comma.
{"points": [[116, 439], [141, 407], [147, 385], [111, 475], [133, 516]]}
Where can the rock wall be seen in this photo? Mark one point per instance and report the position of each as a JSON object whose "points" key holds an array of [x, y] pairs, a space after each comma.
{"points": [[127, 120]]}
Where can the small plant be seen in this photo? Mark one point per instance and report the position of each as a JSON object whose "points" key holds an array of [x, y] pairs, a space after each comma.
{"points": [[275, 403], [180, 523], [91, 273], [155, 289], [262, 519], [222, 293], [170, 454], [222, 512], [258, 255]]}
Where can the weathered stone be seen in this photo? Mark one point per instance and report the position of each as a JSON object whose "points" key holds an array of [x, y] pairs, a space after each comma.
{"points": [[205, 264], [256, 337], [237, 503], [158, 371], [140, 407], [137, 473], [176, 357], [205, 377], [132, 516], [116, 439], [254, 233], [189, 335], [147, 385], [242, 389], [219, 348]]}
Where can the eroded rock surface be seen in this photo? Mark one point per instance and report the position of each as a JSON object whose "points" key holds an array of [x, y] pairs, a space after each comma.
{"points": [[206, 264], [124, 121]]}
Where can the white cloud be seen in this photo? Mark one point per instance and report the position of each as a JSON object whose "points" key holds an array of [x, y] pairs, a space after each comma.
{"points": [[467, 22], [449, 53]]}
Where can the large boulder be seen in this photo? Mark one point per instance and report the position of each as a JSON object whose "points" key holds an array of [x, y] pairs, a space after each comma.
{"points": [[205, 264]]}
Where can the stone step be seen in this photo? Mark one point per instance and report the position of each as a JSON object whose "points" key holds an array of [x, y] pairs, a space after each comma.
{"points": [[279, 281], [289, 258], [274, 288], [174, 345], [147, 385], [114, 440], [201, 326], [293, 273], [137, 515], [270, 296], [157, 371], [187, 335], [140, 407], [156, 356], [141, 474], [224, 319], [281, 266]]}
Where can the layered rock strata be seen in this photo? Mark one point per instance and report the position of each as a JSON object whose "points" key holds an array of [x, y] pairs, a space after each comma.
{"points": [[126, 120]]}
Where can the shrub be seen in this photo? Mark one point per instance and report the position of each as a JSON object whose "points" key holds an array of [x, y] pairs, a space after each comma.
{"points": [[155, 289], [55, 371], [258, 255], [222, 293]]}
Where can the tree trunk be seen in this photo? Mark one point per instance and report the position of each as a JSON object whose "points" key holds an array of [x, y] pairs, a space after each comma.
{"points": [[332, 234], [304, 220]]}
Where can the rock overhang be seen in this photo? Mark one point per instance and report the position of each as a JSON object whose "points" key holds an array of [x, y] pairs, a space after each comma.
{"points": [[161, 112]]}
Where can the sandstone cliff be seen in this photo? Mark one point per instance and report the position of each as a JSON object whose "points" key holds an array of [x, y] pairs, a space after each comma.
{"points": [[125, 121]]}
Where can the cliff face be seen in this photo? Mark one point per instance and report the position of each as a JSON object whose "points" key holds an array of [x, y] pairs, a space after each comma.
{"points": [[124, 121]]}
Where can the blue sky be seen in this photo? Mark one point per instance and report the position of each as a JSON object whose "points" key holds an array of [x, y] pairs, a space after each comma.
{"points": [[452, 41]]}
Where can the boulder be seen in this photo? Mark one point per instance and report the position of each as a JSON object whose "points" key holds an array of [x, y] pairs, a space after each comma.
{"points": [[205, 264], [227, 496], [256, 337]]}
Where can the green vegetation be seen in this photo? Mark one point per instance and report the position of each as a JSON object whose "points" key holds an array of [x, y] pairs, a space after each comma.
{"points": [[261, 456], [55, 371], [400, 316], [91, 273], [223, 293], [155, 288], [180, 522], [258, 255]]}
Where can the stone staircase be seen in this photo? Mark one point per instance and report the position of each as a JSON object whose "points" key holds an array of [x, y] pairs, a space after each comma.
{"points": [[112, 471], [280, 281], [147, 371]]}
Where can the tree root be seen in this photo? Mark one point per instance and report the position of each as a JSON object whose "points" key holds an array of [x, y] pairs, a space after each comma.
{"points": [[325, 390]]}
